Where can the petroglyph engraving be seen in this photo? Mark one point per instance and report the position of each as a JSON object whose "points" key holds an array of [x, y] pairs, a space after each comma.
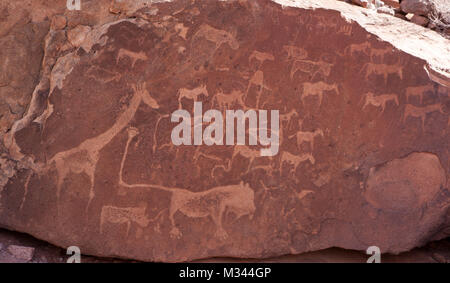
{"points": [[217, 36], [358, 47], [103, 75], [307, 137], [421, 112], [295, 160], [317, 89], [191, 94], [84, 158], [123, 215], [287, 117], [246, 152], [379, 100], [261, 57], [382, 69], [379, 53], [367, 49], [295, 53], [134, 56], [227, 101], [311, 67], [238, 199], [418, 91], [258, 80]]}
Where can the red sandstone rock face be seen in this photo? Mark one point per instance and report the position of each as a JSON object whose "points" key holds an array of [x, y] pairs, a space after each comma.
{"points": [[364, 133]]}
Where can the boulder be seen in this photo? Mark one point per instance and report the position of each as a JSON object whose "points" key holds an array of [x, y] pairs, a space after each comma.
{"points": [[418, 7], [362, 153], [362, 3], [21, 252], [420, 20]]}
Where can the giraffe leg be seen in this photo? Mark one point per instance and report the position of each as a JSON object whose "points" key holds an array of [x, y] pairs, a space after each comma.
{"points": [[91, 175]]}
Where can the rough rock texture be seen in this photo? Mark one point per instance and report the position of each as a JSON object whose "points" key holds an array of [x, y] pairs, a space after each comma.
{"points": [[418, 7], [21, 253], [364, 146], [437, 251]]}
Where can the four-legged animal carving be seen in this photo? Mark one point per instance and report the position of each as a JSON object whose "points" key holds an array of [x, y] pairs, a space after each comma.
{"points": [[421, 112], [317, 89], [380, 100], [295, 160], [84, 158], [307, 137], [238, 199]]}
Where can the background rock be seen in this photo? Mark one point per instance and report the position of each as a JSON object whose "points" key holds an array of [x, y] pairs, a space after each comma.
{"points": [[21, 253], [369, 113], [418, 7]]}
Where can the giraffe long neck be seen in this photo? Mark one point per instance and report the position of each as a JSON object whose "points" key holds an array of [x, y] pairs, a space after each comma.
{"points": [[124, 119]]}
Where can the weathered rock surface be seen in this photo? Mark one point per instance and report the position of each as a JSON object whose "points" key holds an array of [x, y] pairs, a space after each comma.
{"points": [[418, 7], [364, 133]]}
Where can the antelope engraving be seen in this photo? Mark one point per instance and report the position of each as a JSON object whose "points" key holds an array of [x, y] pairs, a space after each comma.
{"points": [[287, 117], [215, 202], [261, 57], [295, 160], [358, 47], [367, 49], [421, 112], [217, 36], [134, 56], [317, 89], [374, 53], [226, 101], [380, 100], [307, 137], [191, 94], [418, 91], [311, 67], [382, 69]]}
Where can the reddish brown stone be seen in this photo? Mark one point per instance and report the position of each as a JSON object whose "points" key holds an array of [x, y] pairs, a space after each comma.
{"points": [[58, 22], [363, 156]]}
